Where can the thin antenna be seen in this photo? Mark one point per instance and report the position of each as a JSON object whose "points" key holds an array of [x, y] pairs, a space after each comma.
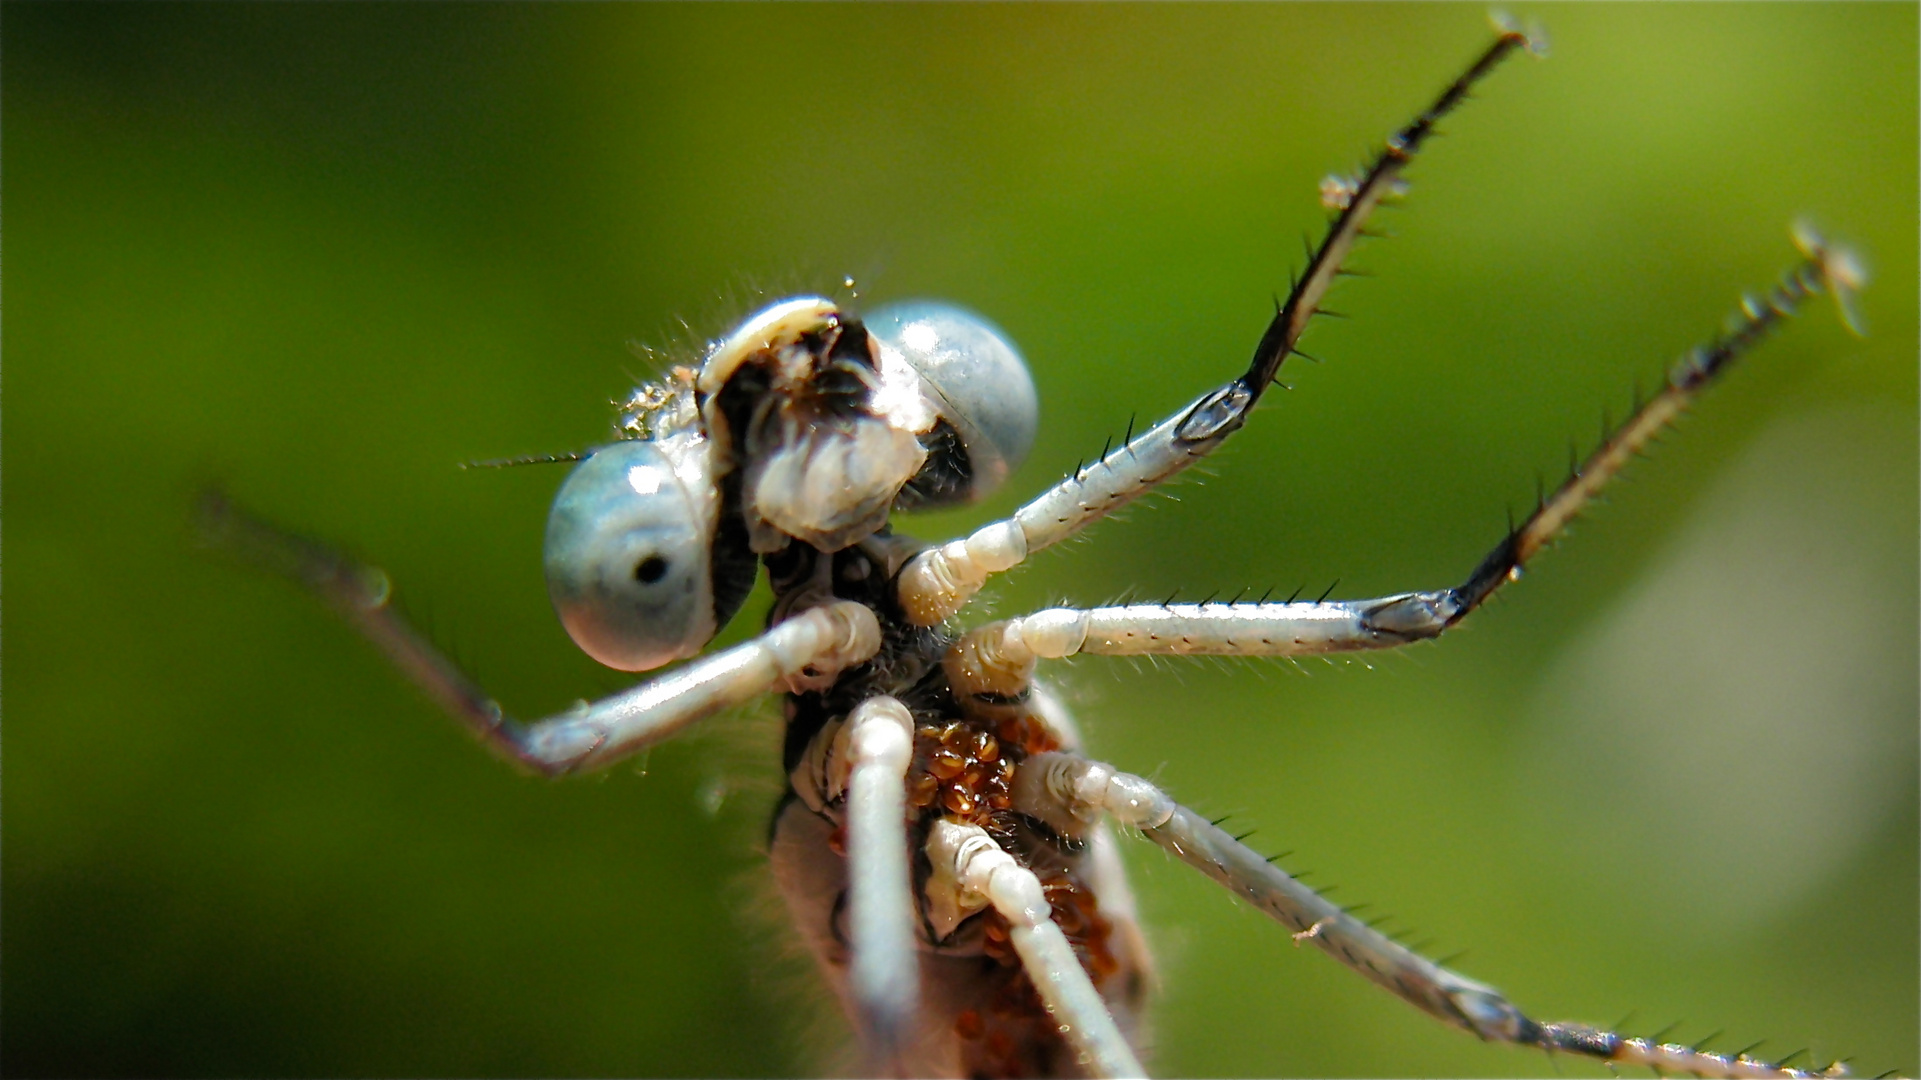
{"points": [[528, 459]]}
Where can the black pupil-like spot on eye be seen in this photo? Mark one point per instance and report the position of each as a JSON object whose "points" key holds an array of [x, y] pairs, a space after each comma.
{"points": [[651, 569]]}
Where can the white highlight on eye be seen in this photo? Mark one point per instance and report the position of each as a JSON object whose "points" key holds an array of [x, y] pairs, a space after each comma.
{"points": [[899, 395], [645, 479], [920, 335]]}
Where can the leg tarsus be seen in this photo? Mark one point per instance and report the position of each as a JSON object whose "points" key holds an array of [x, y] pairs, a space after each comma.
{"points": [[1823, 269]]}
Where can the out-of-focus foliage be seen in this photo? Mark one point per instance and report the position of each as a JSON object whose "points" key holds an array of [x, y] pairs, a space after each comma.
{"points": [[320, 254]]}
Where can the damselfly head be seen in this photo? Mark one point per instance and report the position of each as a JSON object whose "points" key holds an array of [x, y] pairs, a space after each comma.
{"points": [[804, 424], [832, 422]]}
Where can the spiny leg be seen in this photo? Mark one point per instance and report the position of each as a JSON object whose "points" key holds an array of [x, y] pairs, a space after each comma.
{"points": [[830, 637], [1070, 793], [937, 583], [998, 659], [967, 861], [880, 898], [1824, 268]]}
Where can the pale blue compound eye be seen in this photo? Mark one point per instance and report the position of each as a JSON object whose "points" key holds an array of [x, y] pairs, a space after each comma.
{"points": [[628, 558], [978, 385]]}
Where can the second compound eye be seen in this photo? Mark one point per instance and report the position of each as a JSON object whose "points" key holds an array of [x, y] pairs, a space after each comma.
{"points": [[628, 558]]}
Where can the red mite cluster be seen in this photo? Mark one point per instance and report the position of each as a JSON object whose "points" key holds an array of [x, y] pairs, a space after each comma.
{"points": [[961, 768]]}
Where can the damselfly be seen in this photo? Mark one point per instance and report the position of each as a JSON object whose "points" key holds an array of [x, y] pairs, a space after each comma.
{"points": [[790, 444]]}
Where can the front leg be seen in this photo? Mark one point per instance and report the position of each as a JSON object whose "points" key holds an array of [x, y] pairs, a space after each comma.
{"points": [[939, 582], [811, 644]]}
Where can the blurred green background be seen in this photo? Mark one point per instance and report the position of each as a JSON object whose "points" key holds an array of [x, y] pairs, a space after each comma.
{"points": [[322, 253]]}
